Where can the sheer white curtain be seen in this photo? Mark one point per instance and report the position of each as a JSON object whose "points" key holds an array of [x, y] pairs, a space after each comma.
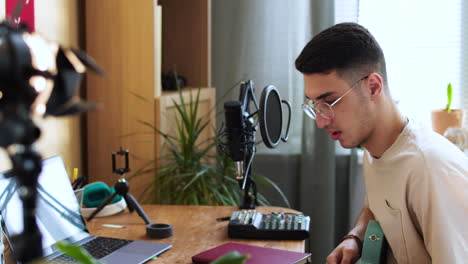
{"points": [[464, 59], [346, 11], [422, 42]]}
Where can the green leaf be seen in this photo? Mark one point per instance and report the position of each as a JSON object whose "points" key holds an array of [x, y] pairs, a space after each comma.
{"points": [[269, 182], [77, 252], [232, 257], [195, 177], [144, 99], [449, 97]]}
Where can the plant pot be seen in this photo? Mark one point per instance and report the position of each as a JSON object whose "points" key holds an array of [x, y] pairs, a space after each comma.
{"points": [[441, 120]]}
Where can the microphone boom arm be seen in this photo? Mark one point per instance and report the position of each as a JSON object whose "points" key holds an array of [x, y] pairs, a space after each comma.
{"points": [[247, 95]]}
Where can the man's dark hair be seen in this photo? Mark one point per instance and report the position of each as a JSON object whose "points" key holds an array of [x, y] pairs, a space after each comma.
{"points": [[347, 48]]}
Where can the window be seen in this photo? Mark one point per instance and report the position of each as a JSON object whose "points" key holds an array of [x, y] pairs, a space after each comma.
{"points": [[422, 41]]}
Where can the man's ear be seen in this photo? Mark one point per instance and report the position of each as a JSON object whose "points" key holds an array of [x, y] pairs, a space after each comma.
{"points": [[375, 85]]}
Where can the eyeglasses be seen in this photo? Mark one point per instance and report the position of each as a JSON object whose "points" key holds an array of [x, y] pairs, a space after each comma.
{"points": [[322, 108]]}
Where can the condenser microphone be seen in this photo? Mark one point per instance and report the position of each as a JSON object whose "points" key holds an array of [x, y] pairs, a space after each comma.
{"points": [[235, 133]]}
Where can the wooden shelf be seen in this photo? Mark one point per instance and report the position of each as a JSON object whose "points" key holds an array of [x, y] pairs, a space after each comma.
{"points": [[120, 38], [186, 40], [134, 42]]}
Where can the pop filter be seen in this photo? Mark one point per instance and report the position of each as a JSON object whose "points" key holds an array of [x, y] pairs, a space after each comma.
{"points": [[270, 115]]}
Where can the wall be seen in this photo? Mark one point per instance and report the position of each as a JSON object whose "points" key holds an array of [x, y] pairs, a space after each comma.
{"points": [[56, 20]]}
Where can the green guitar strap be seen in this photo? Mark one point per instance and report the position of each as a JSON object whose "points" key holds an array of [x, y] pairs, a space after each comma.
{"points": [[373, 250]]}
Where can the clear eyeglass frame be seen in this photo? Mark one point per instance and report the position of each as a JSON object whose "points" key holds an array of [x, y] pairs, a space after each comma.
{"points": [[325, 109]]}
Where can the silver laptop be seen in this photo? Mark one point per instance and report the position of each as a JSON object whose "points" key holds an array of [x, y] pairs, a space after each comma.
{"points": [[59, 218]]}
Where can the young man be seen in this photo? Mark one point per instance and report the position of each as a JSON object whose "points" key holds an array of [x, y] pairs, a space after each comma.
{"points": [[416, 180]]}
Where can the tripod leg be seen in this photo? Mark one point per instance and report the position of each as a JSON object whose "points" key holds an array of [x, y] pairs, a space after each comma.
{"points": [[129, 202], [102, 205], [138, 208]]}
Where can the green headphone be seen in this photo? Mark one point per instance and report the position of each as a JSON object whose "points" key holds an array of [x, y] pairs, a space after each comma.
{"points": [[96, 193]]}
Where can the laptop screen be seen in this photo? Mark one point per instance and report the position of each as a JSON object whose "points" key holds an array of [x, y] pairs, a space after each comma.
{"points": [[58, 212]]}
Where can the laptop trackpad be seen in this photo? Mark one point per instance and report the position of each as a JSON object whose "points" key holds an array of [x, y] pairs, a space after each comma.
{"points": [[135, 252]]}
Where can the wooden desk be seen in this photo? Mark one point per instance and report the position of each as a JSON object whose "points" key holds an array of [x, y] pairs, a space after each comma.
{"points": [[195, 229]]}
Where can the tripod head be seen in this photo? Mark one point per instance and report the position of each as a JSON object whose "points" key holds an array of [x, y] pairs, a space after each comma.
{"points": [[120, 171]]}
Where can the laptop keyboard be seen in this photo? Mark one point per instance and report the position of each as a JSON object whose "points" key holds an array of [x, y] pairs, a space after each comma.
{"points": [[62, 259], [98, 248]]}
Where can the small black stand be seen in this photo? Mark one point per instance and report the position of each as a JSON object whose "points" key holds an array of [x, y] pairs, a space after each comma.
{"points": [[121, 188]]}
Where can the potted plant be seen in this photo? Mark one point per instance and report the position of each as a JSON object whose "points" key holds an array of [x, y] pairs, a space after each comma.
{"points": [[448, 117], [193, 172]]}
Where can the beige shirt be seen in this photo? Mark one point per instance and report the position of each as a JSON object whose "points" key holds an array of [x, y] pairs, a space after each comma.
{"points": [[418, 191]]}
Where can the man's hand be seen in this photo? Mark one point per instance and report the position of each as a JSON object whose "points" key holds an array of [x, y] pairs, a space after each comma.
{"points": [[350, 248], [345, 253]]}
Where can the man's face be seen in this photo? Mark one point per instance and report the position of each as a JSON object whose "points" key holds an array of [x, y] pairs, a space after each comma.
{"points": [[353, 115]]}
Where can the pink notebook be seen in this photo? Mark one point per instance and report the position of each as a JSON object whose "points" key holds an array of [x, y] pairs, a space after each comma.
{"points": [[258, 255]]}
